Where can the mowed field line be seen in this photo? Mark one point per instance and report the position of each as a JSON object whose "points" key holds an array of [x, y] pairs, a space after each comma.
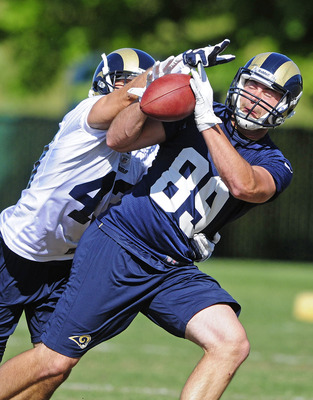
{"points": [[106, 388], [162, 392]]}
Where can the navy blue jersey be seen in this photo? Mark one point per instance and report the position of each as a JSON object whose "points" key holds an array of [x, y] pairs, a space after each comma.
{"points": [[182, 193]]}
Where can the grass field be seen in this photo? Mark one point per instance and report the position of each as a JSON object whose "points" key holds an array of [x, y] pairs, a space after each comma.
{"points": [[145, 363]]}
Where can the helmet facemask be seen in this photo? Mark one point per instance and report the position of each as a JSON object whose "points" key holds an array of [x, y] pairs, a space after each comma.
{"points": [[274, 115], [111, 78], [110, 70], [275, 71]]}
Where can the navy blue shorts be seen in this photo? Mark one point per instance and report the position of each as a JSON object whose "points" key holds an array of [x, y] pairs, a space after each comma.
{"points": [[29, 286], [109, 286]]}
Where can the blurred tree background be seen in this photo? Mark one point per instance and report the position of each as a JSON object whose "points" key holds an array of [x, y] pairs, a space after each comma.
{"points": [[42, 41], [50, 49]]}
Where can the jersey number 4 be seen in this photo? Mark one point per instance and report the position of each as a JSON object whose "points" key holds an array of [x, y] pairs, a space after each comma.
{"points": [[101, 187]]}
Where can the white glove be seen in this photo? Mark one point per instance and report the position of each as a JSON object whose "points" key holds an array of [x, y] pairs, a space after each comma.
{"points": [[201, 87], [137, 91], [172, 65], [203, 247], [208, 56]]}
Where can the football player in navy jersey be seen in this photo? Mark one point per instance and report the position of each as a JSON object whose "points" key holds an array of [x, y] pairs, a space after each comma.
{"points": [[211, 168]]}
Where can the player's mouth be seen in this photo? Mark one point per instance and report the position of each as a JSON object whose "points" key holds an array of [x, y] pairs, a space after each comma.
{"points": [[250, 112]]}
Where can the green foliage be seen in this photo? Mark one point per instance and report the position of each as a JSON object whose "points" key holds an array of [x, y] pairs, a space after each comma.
{"points": [[42, 39]]}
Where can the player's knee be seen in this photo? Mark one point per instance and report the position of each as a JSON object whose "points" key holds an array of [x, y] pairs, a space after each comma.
{"points": [[56, 364], [61, 365], [240, 347], [225, 338], [233, 346]]}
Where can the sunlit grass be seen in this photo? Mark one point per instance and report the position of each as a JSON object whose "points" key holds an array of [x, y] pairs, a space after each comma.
{"points": [[145, 363]]}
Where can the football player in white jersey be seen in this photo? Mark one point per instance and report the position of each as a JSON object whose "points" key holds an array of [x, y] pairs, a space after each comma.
{"points": [[75, 179]]}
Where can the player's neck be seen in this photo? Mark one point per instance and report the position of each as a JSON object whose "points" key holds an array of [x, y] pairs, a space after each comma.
{"points": [[251, 135]]}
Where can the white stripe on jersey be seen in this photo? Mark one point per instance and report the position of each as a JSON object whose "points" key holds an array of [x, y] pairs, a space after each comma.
{"points": [[75, 179]]}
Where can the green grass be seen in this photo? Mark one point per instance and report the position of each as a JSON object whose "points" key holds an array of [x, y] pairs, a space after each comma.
{"points": [[145, 363]]}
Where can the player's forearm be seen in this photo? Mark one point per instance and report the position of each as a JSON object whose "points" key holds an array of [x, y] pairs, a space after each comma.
{"points": [[126, 128], [132, 130], [244, 181], [106, 109]]}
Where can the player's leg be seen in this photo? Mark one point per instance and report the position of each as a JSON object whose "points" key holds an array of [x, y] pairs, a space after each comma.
{"points": [[44, 389], [99, 302], [219, 333], [11, 301], [39, 366], [30, 286], [9, 317], [45, 282], [30, 368], [191, 304], [39, 287]]}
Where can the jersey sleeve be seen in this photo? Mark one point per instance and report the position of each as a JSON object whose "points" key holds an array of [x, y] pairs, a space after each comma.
{"points": [[90, 102], [272, 159], [72, 123], [281, 170]]}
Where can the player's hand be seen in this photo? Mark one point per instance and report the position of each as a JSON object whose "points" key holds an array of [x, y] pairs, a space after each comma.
{"points": [[208, 56], [203, 247], [201, 87], [172, 65]]}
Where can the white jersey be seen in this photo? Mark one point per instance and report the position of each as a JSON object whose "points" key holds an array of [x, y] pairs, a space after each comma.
{"points": [[75, 179]]}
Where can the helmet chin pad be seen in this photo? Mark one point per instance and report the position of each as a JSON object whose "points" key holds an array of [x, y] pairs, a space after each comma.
{"points": [[248, 124]]}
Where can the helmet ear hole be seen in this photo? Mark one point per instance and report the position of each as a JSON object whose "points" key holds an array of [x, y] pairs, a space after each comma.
{"points": [[120, 64]]}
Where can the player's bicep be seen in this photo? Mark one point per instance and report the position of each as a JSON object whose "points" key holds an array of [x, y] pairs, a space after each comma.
{"points": [[265, 183], [104, 110]]}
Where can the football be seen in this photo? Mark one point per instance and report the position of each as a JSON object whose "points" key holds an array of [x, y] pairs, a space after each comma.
{"points": [[169, 98]]}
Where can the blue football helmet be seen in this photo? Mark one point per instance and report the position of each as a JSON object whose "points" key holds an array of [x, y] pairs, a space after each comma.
{"points": [[275, 71], [122, 64]]}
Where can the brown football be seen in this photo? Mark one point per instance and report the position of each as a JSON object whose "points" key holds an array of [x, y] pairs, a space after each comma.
{"points": [[169, 98]]}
